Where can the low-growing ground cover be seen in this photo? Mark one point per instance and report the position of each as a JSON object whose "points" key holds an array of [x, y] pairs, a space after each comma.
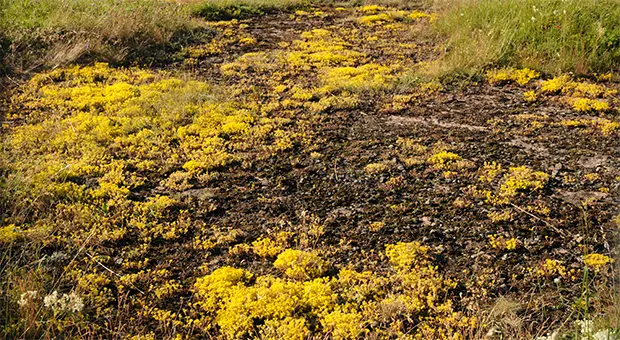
{"points": [[293, 178]]}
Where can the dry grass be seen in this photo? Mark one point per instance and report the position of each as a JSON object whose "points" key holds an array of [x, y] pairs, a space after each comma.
{"points": [[50, 33]]}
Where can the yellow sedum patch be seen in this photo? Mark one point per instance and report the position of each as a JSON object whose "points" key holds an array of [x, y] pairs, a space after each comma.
{"points": [[10, 234], [266, 247], [368, 77], [520, 180], [502, 243], [405, 256], [588, 105], [596, 261], [347, 306], [549, 268], [300, 265], [442, 159], [519, 76], [376, 168]]}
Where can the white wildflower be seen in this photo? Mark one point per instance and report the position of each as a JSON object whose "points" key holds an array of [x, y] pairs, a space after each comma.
{"points": [[606, 334], [66, 303], [26, 297], [552, 336], [585, 325]]}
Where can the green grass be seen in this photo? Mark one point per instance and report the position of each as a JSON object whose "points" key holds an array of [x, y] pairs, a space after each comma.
{"points": [[243, 9], [553, 36], [47, 33]]}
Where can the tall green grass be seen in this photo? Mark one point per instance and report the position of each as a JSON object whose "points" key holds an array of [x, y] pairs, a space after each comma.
{"points": [[579, 36], [51, 32]]}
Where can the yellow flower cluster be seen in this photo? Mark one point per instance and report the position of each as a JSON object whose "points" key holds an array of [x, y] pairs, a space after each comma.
{"points": [[596, 261], [519, 76], [521, 180], [489, 171], [549, 268], [321, 47], [501, 243], [347, 306], [376, 168], [10, 234], [443, 159], [374, 14], [300, 265], [368, 77], [405, 256], [587, 105]]}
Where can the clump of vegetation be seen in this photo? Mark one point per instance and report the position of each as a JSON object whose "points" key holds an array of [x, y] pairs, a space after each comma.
{"points": [[521, 180], [443, 158], [551, 35], [48, 33], [300, 265], [519, 76], [596, 261], [346, 306]]}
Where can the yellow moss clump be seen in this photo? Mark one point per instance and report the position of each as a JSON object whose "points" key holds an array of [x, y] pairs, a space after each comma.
{"points": [[376, 168], [521, 180], [549, 268], [410, 300], [10, 234], [372, 9], [606, 126], [530, 96], [300, 265], [489, 171], [565, 85], [376, 18], [500, 216], [287, 328], [252, 62], [588, 105], [410, 146], [501, 243], [213, 48], [415, 15], [343, 325], [596, 261], [320, 48], [519, 76], [266, 247], [442, 159], [368, 77], [556, 85], [376, 226], [405, 256], [218, 286]]}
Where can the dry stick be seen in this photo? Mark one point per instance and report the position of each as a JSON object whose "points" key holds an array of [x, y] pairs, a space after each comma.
{"points": [[537, 218], [113, 272]]}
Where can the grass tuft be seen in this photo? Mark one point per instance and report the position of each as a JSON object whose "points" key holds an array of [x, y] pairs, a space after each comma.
{"points": [[553, 36]]}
